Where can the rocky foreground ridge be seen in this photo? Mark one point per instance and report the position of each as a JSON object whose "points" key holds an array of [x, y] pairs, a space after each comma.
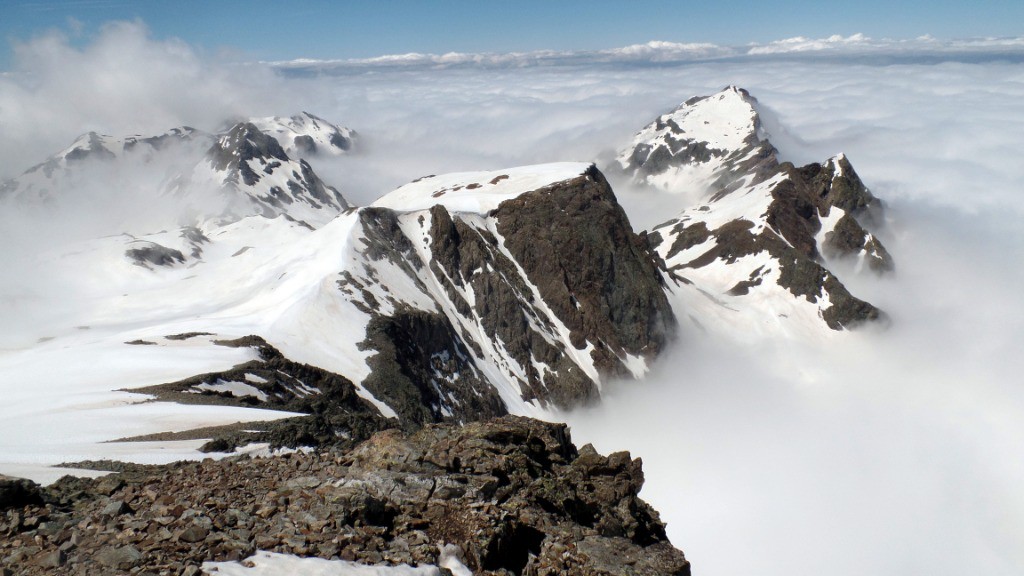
{"points": [[513, 494]]}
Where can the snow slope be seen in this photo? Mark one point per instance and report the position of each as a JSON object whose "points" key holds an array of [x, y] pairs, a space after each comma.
{"points": [[703, 145], [478, 192], [305, 134]]}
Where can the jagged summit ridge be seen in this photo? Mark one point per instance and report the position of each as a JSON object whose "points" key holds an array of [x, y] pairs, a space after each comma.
{"points": [[258, 175], [62, 172], [754, 238]]}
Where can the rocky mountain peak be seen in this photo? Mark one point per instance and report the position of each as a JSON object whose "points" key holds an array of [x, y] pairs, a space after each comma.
{"points": [[90, 145], [258, 176], [242, 143], [749, 225], [705, 145], [527, 283]]}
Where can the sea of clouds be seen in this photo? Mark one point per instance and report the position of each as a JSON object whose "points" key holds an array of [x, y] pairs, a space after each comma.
{"points": [[889, 452]]}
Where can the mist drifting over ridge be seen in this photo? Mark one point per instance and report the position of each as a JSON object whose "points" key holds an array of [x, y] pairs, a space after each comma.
{"points": [[894, 451]]}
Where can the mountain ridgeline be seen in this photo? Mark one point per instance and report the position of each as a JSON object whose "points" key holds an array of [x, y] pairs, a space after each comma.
{"points": [[468, 299], [473, 295]]}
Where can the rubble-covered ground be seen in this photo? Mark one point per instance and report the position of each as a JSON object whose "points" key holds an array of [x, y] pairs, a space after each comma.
{"points": [[513, 495]]}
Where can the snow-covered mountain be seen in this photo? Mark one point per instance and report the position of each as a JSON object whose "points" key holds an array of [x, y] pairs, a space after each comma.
{"points": [[751, 248], [255, 166], [93, 156], [251, 169], [706, 144], [455, 297]]}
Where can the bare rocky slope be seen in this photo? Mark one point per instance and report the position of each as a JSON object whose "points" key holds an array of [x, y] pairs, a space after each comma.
{"points": [[514, 495]]}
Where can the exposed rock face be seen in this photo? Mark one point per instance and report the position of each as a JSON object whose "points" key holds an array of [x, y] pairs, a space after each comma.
{"points": [[759, 225], [509, 314], [154, 254], [424, 371], [541, 288], [575, 242], [513, 494]]}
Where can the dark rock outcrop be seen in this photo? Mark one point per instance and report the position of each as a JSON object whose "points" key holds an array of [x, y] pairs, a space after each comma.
{"points": [[549, 291], [600, 279], [512, 494], [151, 253], [18, 492], [424, 371], [338, 416]]}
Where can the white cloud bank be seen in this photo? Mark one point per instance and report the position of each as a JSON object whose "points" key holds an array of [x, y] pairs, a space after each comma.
{"points": [[895, 453], [122, 83], [658, 52]]}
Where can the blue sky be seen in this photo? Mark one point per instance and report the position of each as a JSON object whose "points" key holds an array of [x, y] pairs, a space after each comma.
{"points": [[265, 30]]}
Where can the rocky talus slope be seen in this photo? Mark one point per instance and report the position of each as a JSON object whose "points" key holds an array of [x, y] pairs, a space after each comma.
{"points": [[513, 494]]}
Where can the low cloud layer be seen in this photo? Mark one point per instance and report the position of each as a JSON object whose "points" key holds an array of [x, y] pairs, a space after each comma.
{"points": [[894, 452], [655, 53]]}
